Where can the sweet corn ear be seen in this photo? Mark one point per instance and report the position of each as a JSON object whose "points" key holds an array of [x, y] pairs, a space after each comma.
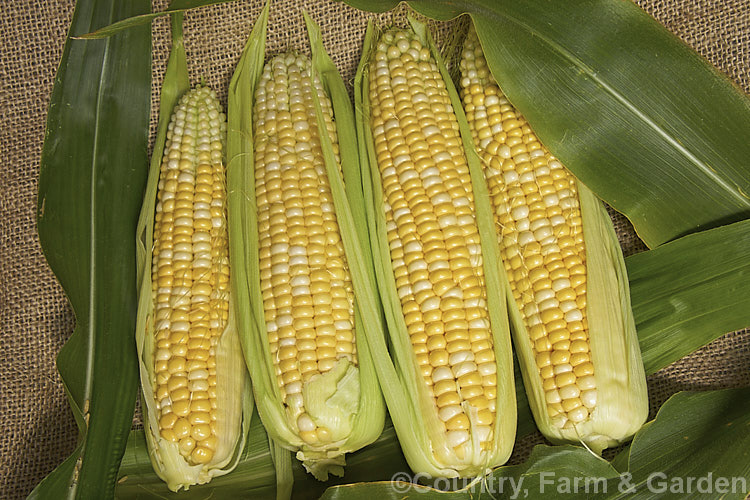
{"points": [[192, 373], [449, 389], [313, 380], [570, 302]]}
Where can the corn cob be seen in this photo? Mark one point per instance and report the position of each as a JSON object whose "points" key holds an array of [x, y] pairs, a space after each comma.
{"points": [[434, 265], [545, 242], [193, 378], [305, 282], [315, 388]]}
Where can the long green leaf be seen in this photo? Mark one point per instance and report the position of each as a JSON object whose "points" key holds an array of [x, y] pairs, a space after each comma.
{"points": [[638, 116], [93, 171], [690, 291], [141, 19]]}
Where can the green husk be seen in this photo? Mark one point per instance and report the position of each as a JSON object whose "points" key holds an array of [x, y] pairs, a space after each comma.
{"points": [[622, 399], [412, 410], [232, 382], [351, 393]]}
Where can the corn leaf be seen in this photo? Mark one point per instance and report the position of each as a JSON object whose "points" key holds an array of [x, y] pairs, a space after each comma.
{"points": [[139, 20], [93, 170], [690, 291], [639, 117]]}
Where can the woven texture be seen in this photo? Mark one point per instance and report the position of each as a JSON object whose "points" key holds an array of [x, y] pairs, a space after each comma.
{"points": [[37, 430]]}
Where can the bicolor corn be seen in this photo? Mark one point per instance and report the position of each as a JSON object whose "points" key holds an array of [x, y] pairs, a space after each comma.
{"points": [[314, 384], [434, 271], [550, 245], [193, 392]]}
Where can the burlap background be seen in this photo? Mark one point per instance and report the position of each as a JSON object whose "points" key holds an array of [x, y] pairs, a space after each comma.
{"points": [[37, 430]]}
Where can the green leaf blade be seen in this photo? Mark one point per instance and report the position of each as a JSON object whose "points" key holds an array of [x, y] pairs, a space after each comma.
{"points": [[93, 171], [683, 300], [640, 118]]}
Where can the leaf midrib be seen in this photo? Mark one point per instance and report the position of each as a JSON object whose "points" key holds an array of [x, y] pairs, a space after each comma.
{"points": [[91, 341]]}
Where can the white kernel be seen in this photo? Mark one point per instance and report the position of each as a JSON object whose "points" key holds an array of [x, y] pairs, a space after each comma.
{"points": [[560, 284], [441, 373], [553, 397], [430, 172], [438, 264], [460, 357], [342, 324], [202, 263], [525, 237], [284, 320], [548, 304], [440, 198], [448, 412], [298, 260], [183, 256], [557, 220], [488, 368], [305, 423], [430, 304], [180, 326], [586, 383], [301, 280], [574, 315], [578, 414], [479, 323], [588, 398], [568, 305], [542, 233], [564, 368], [543, 295], [570, 391], [432, 180], [413, 247], [464, 368], [539, 223], [281, 268], [456, 438], [421, 286], [198, 375], [417, 265], [445, 221], [551, 200], [279, 248], [163, 355], [293, 387], [521, 212]]}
